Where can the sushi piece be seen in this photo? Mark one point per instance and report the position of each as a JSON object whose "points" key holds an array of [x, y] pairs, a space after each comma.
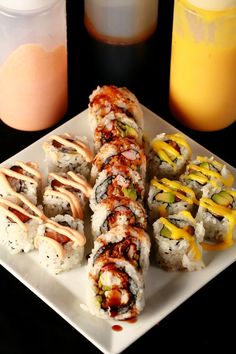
{"points": [[168, 197], [117, 180], [62, 201], [116, 125], [115, 289], [206, 171], [168, 156], [121, 151], [21, 178], [218, 213], [67, 153], [64, 183], [18, 227], [130, 243], [116, 211], [60, 243], [110, 98], [178, 239]]}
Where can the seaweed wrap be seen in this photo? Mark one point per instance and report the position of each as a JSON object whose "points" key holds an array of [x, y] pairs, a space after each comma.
{"points": [[117, 180], [116, 211], [122, 151], [177, 240]]}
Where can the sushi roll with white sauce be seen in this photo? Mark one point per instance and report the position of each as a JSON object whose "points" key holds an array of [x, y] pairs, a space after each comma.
{"points": [[115, 289], [116, 211], [60, 243], [68, 183], [109, 98], [168, 156], [122, 151], [117, 180], [22, 178], [168, 197], [130, 243], [177, 240], [206, 171], [18, 227], [68, 153], [116, 125]]}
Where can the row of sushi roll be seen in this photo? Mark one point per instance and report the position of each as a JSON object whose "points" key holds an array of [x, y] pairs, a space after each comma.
{"points": [[120, 256], [48, 217], [191, 203]]}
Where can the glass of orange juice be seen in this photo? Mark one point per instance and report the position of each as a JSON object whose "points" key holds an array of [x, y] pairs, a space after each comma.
{"points": [[203, 64]]}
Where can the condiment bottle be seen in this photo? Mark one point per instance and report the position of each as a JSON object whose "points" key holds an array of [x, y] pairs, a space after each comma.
{"points": [[203, 63], [121, 21], [33, 63]]}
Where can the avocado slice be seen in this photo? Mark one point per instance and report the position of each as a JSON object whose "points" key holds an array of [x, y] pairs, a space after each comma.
{"points": [[129, 131], [205, 165], [165, 232], [130, 193], [222, 198], [166, 197]]}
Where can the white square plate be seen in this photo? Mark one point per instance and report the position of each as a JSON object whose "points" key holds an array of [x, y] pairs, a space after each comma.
{"points": [[66, 292]]}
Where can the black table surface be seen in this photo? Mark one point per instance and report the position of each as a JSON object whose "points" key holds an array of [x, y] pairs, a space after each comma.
{"points": [[203, 322]]}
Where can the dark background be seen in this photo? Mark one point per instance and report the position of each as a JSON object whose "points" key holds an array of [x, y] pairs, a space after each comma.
{"points": [[205, 322]]}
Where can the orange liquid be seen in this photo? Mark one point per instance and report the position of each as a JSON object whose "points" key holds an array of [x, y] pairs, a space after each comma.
{"points": [[33, 86], [203, 81]]}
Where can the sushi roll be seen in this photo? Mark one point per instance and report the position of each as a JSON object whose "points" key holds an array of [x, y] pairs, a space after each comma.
{"points": [[168, 197], [18, 227], [67, 153], [129, 243], [60, 243], [116, 211], [168, 156], [65, 182], [178, 239], [116, 125], [21, 178], [62, 201], [115, 289], [218, 213], [117, 180], [121, 151], [110, 98], [206, 171]]}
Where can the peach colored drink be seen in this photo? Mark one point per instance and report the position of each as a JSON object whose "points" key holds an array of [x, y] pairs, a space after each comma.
{"points": [[33, 87]]}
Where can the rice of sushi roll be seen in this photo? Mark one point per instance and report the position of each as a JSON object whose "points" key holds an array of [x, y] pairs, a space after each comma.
{"points": [[116, 125], [122, 151], [18, 227], [67, 153], [204, 171], [71, 182], [21, 178], [218, 213], [60, 243], [117, 180], [110, 98], [115, 289], [169, 155], [130, 243], [168, 197], [62, 201], [178, 239], [116, 211]]}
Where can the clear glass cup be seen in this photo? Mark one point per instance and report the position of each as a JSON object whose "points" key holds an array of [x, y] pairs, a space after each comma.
{"points": [[203, 67], [121, 21]]}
